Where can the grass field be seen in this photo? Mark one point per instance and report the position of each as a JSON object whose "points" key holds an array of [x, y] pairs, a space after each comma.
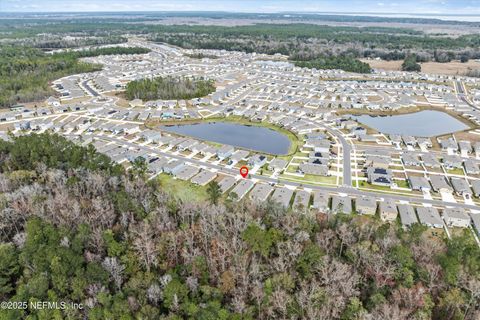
{"points": [[182, 190], [449, 68]]}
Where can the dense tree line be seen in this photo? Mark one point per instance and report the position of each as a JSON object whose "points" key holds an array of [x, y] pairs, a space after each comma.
{"points": [[410, 64], [342, 62], [295, 39], [110, 51], [169, 88], [26, 73], [80, 231], [59, 41], [315, 39], [201, 55]]}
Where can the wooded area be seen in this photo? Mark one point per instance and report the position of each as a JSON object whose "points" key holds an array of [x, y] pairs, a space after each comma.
{"points": [[169, 88], [26, 73], [76, 227], [345, 63]]}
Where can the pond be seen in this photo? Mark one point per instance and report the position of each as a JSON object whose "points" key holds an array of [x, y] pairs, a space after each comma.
{"points": [[427, 123], [238, 135]]}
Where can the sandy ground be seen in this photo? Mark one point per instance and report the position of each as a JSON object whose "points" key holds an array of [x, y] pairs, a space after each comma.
{"points": [[450, 68]]}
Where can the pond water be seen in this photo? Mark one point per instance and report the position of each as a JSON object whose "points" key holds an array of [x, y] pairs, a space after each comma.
{"points": [[427, 123], [237, 135]]}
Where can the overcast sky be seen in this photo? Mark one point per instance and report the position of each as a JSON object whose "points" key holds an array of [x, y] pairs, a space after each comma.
{"points": [[346, 6]]}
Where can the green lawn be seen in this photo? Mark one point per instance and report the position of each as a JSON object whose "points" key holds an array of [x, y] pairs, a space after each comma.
{"points": [[182, 190], [311, 178], [458, 171], [402, 183], [365, 184]]}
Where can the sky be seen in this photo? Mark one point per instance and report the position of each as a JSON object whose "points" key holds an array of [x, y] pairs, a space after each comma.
{"points": [[438, 7]]}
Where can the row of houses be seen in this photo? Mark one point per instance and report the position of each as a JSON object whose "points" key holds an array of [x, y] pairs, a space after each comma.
{"points": [[444, 184]]}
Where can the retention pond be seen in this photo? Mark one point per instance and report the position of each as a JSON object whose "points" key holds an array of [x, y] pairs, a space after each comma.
{"points": [[238, 135], [427, 123]]}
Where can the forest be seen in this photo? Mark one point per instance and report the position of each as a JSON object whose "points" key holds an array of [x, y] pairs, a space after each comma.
{"points": [[77, 228], [345, 63], [169, 88], [26, 73], [299, 41], [410, 64]]}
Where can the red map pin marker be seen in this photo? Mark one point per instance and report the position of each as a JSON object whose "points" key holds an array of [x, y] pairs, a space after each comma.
{"points": [[244, 171]]}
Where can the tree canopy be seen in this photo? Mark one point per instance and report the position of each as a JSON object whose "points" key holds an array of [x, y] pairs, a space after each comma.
{"points": [[26, 73], [169, 88], [124, 249]]}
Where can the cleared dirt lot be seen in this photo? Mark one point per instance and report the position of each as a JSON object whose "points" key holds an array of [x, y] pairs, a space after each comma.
{"points": [[383, 64], [450, 68]]}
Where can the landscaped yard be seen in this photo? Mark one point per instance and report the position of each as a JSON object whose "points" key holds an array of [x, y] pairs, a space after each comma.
{"points": [[365, 184], [401, 183], [311, 179], [458, 171]]}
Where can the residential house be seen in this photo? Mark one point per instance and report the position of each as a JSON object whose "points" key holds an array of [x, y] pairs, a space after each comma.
{"points": [[407, 215], [341, 204], [419, 183], [430, 217], [366, 205], [456, 217], [388, 210], [440, 184], [379, 176], [461, 186]]}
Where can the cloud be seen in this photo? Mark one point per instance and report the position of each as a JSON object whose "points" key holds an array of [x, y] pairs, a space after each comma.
{"points": [[344, 6]]}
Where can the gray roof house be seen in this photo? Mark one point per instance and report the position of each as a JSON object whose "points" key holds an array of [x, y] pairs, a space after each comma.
{"points": [[452, 161], [388, 210], [476, 221], [341, 204], [419, 183], [407, 215], [186, 172], [429, 217], [226, 183], [440, 184], [366, 205], [456, 217], [429, 160], [225, 151], [377, 161], [242, 188], [260, 192], [461, 186], [314, 169], [379, 176], [282, 196], [302, 198], [471, 167], [321, 201], [277, 164], [257, 160], [410, 159], [204, 177], [173, 166], [476, 187]]}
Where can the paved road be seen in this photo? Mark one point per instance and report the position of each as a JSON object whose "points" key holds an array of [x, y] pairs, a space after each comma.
{"points": [[346, 148], [343, 189], [462, 95], [90, 89]]}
